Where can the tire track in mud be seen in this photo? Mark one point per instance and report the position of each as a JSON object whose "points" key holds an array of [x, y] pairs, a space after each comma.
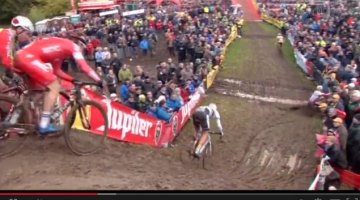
{"points": [[268, 91], [258, 167]]}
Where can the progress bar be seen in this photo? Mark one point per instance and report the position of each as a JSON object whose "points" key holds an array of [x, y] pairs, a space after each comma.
{"points": [[165, 195]]}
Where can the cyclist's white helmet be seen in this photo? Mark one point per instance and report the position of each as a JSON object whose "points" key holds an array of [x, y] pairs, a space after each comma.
{"points": [[213, 106], [23, 22]]}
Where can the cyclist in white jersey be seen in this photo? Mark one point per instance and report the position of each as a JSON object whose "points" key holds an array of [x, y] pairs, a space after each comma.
{"points": [[201, 120], [280, 39]]}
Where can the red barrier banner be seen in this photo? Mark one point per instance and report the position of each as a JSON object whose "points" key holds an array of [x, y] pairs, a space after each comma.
{"points": [[125, 124]]}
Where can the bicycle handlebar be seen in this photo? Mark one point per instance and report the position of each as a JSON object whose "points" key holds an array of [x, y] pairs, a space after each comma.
{"points": [[103, 86]]}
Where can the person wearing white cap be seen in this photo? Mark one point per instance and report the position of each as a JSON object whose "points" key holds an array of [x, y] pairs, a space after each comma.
{"points": [[114, 97], [351, 86], [316, 96]]}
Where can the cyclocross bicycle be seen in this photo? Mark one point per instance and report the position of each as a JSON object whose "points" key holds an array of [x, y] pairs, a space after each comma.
{"points": [[19, 114], [206, 150]]}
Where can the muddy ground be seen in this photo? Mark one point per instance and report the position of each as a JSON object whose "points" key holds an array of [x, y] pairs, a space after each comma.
{"points": [[266, 145]]}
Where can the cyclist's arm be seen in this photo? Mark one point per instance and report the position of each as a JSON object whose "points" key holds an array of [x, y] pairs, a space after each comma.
{"points": [[60, 73], [84, 67], [6, 49], [218, 121]]}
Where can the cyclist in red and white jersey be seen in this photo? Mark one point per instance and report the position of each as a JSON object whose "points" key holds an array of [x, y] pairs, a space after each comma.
{"points": [[33, 60]]}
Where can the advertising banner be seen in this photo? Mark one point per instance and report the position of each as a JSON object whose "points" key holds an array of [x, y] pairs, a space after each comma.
{"points": [[272, 21], [75, 19], [125, 124], [300, 60], [133, 12], [211, 77], [109, 12]]}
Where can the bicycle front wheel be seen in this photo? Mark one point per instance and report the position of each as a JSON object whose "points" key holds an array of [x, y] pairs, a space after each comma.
{"points": [[86, 128]]}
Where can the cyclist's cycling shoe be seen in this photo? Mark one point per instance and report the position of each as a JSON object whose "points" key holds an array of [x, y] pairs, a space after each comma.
{"points": [[51, 129], [196, 154]]}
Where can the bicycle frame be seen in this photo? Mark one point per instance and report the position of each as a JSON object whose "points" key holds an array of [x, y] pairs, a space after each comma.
{"points": [[17, 89], [26, 97]]}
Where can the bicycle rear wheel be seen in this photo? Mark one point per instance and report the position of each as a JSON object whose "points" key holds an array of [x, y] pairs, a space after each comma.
{"points": [[12, 139], [86, 128]]}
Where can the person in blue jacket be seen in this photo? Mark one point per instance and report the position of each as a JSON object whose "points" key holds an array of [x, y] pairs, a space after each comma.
{"points": [[190, 88], [124, 90], [158, 111], [144, 46], [162, 113], [173, 103], [151, 110]]}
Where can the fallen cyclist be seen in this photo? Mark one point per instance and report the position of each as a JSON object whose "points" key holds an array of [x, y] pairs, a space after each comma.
{"points": [[32, 61]]}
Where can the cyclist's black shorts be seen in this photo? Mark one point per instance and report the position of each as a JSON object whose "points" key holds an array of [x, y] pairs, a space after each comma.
{"points": [[200, 120]]}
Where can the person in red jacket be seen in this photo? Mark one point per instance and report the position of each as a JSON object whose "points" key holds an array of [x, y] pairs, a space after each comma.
{"points": [[90, 50], [185, 95], [95, 42], [170, 26], [159, 25]]}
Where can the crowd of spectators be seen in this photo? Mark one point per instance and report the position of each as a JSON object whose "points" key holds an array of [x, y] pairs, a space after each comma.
{"points": [[195, 37], [328, 36]]}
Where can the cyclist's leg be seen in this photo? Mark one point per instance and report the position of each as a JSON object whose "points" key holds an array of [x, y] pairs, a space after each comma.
{"points": [[196, 123], [39, 72], [204, 135], [50, 99]]}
